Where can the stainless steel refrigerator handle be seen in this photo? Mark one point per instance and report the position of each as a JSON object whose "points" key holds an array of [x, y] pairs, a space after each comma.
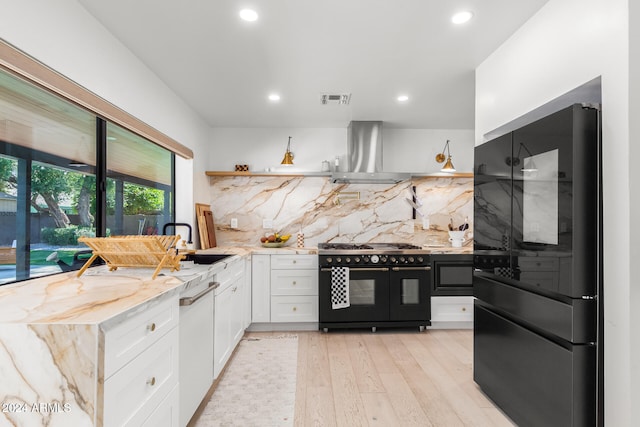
{"points": [[360, 269], [411, 268], [190, 300]]}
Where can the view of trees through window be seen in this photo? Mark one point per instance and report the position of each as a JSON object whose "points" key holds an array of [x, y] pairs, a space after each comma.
{"points": [[49, 185]]}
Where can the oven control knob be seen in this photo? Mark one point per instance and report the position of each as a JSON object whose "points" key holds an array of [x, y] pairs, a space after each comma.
{"points": [[383, 258], [329, 260], [338, 260], [347, 260], [411, 259], [420, 259], [357, 259], [393, 259], [365, 259], [375, 259], [402, 259]]}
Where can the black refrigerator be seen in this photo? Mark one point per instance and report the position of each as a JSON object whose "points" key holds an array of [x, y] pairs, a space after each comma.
{"points": [[538, 270]]}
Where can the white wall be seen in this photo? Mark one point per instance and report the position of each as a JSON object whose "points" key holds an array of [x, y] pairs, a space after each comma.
{"points": [[404, 150], [62, 35], [568, 43], [634, 202]]}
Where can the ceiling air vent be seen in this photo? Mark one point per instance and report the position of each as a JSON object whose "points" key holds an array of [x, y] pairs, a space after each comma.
{"points": [[338, 99]]}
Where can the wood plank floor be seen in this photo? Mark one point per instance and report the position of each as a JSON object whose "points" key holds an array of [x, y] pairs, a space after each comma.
{"points": [[390, 378]]}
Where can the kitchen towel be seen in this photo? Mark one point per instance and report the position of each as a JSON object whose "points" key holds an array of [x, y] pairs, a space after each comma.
{"points": [[339, 287]]}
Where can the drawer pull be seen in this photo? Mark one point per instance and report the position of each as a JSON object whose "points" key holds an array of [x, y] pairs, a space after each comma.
{"points": [[234, 289], [294, 283], [464, 308], [190, 300], [295, 308], [294, 261], [152, 381], [152, 327]]}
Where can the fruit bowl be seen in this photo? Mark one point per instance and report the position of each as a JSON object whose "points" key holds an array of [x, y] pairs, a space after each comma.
{"points": [[273, 244], [274, 240]]}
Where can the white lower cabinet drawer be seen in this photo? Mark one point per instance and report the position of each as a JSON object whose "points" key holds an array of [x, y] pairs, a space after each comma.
{"points": [[294, 282], [298, 308], [452, 309], [295, 262], [166, 414], [125, 341], [231, 271], [135, 391]]}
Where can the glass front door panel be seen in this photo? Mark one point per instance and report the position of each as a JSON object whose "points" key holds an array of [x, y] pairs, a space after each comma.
{"points": [[362, 292], [410, 292]]}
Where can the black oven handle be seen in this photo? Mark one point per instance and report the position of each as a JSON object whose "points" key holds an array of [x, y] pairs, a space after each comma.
{"points": [[427, 268], [361, 269]]}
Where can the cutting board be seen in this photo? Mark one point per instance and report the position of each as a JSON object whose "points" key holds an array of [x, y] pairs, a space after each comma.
{"points": [[211, 231], [202, 231], [206, 226]]}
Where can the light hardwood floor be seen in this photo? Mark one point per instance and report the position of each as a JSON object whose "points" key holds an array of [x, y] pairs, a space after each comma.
{"points": [[406, 378]]}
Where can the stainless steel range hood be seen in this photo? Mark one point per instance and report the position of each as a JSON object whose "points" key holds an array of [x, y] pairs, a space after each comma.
{"points": [[364, 156]]}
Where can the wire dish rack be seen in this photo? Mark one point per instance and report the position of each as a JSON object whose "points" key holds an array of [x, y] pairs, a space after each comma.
{"points": [[134, 251]]}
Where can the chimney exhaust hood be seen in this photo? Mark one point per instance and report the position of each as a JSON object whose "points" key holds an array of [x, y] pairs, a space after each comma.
{"points": [[364, 156]]}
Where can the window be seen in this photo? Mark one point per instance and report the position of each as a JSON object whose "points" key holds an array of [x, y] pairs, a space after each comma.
{"points": [[52, 153], [139, 183]]}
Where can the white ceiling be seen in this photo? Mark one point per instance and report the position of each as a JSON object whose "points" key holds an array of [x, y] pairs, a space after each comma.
{"points": [[225, 68]]}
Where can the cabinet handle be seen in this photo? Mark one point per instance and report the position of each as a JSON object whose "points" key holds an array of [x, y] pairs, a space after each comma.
{"points": [[294, 261], [464, 308], [295, 308], [190, 300], [294, 283], [152, 381], [152, 327]]}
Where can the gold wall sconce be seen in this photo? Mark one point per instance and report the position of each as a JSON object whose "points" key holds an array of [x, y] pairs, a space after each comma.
{"points": [[440, 157], [288, 155]]}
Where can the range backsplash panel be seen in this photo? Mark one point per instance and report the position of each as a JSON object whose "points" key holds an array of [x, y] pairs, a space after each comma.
{"points": [[327, 212]]}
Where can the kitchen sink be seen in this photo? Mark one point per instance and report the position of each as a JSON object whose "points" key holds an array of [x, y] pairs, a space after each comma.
{"points": [[206, 258]]}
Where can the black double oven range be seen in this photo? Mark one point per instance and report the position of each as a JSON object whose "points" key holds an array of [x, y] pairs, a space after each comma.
{"points": [[388, 285]]}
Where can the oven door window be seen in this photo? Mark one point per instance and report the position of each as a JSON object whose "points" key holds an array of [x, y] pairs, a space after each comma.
{"points": [[410, 293], [362, 292]]}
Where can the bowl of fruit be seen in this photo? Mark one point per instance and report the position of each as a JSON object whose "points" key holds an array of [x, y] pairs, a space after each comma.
{"points": [[274, 240]]}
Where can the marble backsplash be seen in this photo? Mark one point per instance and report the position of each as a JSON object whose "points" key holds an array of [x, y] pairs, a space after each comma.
{"points": [[327, 212]]}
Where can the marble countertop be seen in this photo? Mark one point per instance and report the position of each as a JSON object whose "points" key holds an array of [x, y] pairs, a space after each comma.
{"points": [[91, 298], [100, 295], [97, 296]]}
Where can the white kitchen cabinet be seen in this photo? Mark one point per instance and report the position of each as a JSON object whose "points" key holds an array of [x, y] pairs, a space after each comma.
{"points": [[260, 288], [228, 329], [294, 288], [246, 291], [294, 309], [141, 366], [129, 338], [452, 312], [166, 414], [294, 262], [284, 291]]}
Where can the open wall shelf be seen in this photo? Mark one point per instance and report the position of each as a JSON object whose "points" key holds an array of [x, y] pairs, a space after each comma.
{"points": [[328, 174]]}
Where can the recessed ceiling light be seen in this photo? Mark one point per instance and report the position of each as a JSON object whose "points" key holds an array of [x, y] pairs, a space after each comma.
{"points": [[461, 17], [403, 98], [249, 15], [274, 97]]}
